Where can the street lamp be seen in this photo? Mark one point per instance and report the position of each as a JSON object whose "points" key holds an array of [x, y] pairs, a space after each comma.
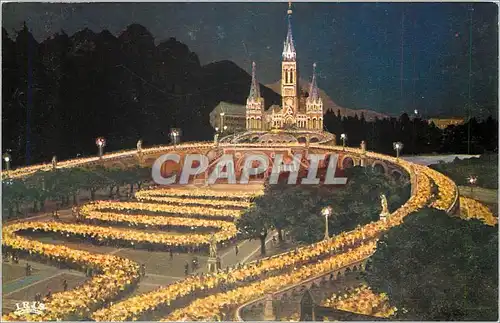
{"points": [[216, 136], [7, 158], [222, 120], [414, 143], [343, 137], [326, 212], [225, 128], [472, 181], [101, 143], [397, 146]]}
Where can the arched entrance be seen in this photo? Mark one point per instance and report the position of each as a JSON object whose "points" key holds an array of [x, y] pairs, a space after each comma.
{"points": [[347, 162], [378, 168]]}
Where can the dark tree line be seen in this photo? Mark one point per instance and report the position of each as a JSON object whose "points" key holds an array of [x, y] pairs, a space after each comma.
{"points": [[417, 135], [297, 208], [66, 184], [435, 267]]}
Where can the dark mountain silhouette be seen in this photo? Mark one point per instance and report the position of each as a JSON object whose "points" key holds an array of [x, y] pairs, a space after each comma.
{"points": [[236, 84]]}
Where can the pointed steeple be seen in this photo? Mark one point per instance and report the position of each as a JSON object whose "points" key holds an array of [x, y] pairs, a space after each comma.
{"points": [[289, 53], [254, 87], [313, 90]]}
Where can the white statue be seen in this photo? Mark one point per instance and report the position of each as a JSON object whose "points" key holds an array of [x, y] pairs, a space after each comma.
{"points": [[139, 145], [54, 162], [363, 146], [383, 202], [216, 138], [213, 246]]}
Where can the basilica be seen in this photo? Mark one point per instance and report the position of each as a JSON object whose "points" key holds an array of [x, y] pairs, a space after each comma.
{"points": [[298, 110]]}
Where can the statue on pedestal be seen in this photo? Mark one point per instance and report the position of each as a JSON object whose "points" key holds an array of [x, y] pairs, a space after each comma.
{"points": [[139, 145], [216, 139], [54, 162], [385, 209], [213, 246], [363, 146], [214, 262]]}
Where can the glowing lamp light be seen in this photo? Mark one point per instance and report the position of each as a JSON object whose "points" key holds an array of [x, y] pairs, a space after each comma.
{"points": [[326, 211], [472, 180], [344, 138], [7, 158], [100, 142], [397, 146]]}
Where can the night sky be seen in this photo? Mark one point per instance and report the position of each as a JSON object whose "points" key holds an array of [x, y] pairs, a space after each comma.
{"points": [[390, 57]]}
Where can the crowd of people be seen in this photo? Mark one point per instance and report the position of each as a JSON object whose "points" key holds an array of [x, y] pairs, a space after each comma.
{"points": [[472, 209], [225, 229], [198, 193], [158, 208], [447, 189], [26, 171], [214, 307], [164, 223], [208, 201], [362, 300], [211, 294], [114, 276], [117, 237]]}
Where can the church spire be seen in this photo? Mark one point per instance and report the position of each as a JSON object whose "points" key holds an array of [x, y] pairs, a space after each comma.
{"points": [[254, 87], [314, 91], [289, 53]]}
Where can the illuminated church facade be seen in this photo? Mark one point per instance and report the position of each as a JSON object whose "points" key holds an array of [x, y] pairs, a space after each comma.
{"points": [[298, 110]]}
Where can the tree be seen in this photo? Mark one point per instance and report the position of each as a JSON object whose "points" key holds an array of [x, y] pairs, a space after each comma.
{"points": [[13, 195], [38, 192], [436, 267], [116, 178], [95, 179], [278, 212], [136, 175], [254, 224], [297, 208]]}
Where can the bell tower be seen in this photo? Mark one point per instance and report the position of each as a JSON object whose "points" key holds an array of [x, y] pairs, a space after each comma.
{"points": [[289, 88]]}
